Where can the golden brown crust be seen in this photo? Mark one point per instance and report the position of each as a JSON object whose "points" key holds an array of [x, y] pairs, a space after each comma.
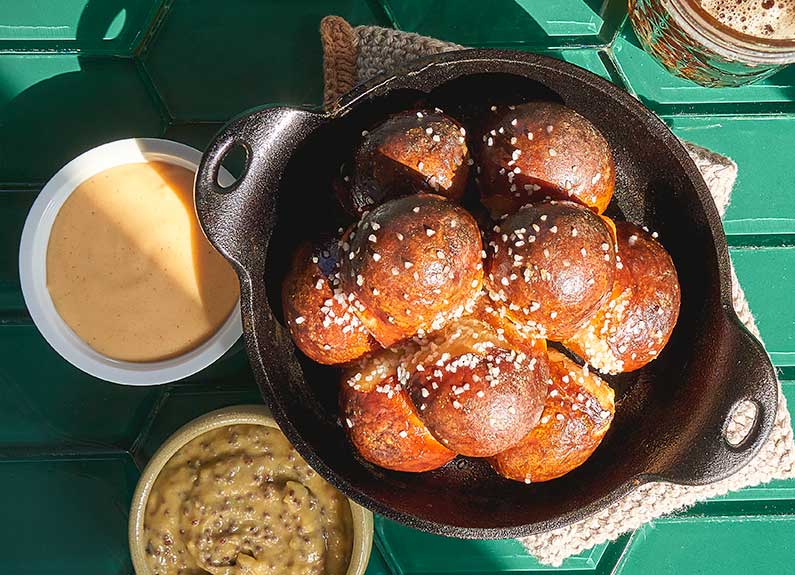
{"points": [[410, 265], [611, 225], [634, 325], [543, 150], [320, 321], [577, 414], [382, 424], [412, 151], [517, 335], [552, 264], [475, 393]]}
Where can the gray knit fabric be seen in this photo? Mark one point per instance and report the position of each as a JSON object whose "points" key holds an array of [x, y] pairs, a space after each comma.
{"points": [[381, 50]]}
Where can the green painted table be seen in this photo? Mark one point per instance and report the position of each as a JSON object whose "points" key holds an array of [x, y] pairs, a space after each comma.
{"points": [[77, 73]]}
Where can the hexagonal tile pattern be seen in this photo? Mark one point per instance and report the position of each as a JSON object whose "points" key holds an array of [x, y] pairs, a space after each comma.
{"points": [[515, 23], [591, 60], [67, 516], [91, 26], [182, 404], [198, 136], [55, 106], [683, 545], [377, 564], [49, 406], [242, 60], [77, 73], [762, 147], [409, 551], [232, 370]]}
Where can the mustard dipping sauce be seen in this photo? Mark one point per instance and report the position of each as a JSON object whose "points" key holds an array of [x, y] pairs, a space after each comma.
{"points": [[241, 500], [129, 269]]}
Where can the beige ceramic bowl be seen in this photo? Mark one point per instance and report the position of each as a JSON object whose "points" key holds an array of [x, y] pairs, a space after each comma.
{"points": [[239, 414]]}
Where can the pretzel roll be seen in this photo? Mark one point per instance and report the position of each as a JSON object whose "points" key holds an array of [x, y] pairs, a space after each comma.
{"points": [[634, 325], [410, 265], [552, 264], [577, 414], [476, 393], [381, 421], [412, 151], [318, 316], [543, 150]]}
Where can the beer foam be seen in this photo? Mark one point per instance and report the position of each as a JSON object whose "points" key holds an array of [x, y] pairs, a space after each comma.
{"points": [[760, 18]]}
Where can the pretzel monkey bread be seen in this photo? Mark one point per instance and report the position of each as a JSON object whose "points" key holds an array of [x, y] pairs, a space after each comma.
{"points": [[439, 314]]}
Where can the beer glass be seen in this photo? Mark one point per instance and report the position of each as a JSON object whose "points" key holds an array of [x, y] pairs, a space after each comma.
{"points": [[694, 44]]}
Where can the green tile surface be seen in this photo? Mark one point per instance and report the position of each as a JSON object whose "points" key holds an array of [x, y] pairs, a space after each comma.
{"points": [[55, 106], [510, 22], [77, 73], [715, 545], [180, 405], [229, 72], [409, 551], [14, 206], [66, 516], [762, 209], [46, 405], [592, 60], [767, 276], [91, 26], [377, 565]]}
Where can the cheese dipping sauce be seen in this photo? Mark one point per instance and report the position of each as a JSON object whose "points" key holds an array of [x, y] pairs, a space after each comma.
{"points": [[240, 500], [129, 269]]}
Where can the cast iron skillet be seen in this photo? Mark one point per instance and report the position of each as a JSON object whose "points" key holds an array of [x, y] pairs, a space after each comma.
{"points": [[670, 415]]}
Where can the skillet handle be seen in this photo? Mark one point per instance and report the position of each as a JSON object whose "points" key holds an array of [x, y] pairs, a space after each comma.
{"points": [[238, 219], [749, 376]]}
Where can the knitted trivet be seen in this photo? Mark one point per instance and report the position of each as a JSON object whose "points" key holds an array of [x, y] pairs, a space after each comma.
{"points": [[355, 54]]}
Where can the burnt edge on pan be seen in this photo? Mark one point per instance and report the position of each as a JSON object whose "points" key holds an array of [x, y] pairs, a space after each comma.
{"points": [[228, 221]]}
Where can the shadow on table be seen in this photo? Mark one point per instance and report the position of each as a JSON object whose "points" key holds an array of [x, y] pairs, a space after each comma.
{"points": [[84, 101]]}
